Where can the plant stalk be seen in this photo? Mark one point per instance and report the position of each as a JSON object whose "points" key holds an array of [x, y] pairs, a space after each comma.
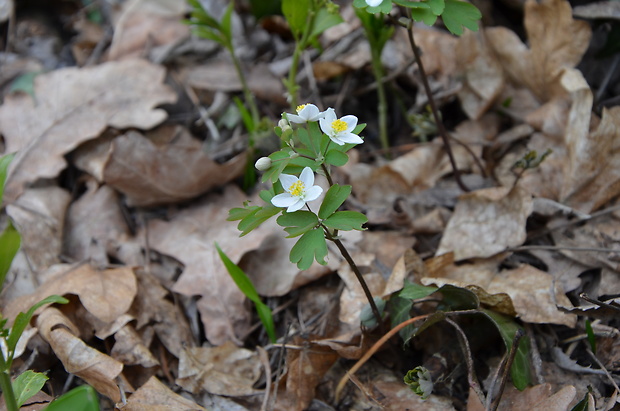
{"points": [[431, 101], [377, 69], [7, 390], [249, 97]]}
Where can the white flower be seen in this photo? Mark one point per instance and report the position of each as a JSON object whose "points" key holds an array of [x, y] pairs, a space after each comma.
{"points": [[263, 164], [339, 130], [305, 113], [373, 3], [299, 191]]}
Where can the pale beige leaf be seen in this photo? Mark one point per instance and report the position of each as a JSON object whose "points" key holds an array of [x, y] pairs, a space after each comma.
{"points": [[94, 367], [485, 222], [155, 396], [130, 349], [224, 370], [74, 105]]}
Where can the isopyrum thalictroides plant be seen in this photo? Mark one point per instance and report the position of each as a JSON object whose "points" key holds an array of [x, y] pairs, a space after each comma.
{"points": [[313, 141]]}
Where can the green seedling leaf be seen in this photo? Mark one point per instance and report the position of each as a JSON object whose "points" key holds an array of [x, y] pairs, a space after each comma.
{"points": [[296, 14], [247, 288], [336, 158], [458, 14], [227, 19], [414, 291], [83, 398], [28, 384], [310, 246], [520, 370], [200, 16], [346, 221], [367, 317], [22, 320], [400, 309], [324, 20], [584, 404], [5, 162], [298, 222], [458, 298], [420, 382], [10, 241], [334, 198], [591, 337]]}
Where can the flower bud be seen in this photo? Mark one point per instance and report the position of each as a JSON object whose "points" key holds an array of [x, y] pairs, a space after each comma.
{"points": [[263, 164], [284, 125]]}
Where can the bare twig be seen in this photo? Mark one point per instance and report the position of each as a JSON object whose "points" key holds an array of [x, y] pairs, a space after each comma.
{"points": [[471, 372], [505, 365]]}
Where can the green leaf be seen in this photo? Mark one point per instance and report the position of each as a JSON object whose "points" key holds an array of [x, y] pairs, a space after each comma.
{"points": [[413, 4], [346, 221], [324, 20], [336, 158], [310, 246], [24, 84], [238, 213], [296, 14], [437, 6], [591, 337], [458, 14], [399, 312], [520, 370], [367, 317], [298, 222], [10, 241], [83, 398], [358, 129], [209, 34], [414, 291], [227, 19], [245, 285], [334, 198], [5, 162], [22, 320], [459, 298], [279, 160], [28, 384], [253, 220], [424, 15]]}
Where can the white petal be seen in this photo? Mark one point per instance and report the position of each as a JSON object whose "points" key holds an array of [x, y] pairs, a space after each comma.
{"points": [[326, 126], [294, 118], [307, 177], [284, 200], [374, 3], [351, 122], [330, 115], [350, 138], [287, 181], [336, 139], [297, 206], [309, 111], [313, 193]]}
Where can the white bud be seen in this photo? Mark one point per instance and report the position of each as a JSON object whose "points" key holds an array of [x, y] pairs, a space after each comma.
{"points": [[263, 164], [283, 124]]}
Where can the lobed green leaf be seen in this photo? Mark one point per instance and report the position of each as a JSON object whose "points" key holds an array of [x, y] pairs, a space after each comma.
{"points": [[334, 198], [253, 220], [346, 221], [310, 246], [298, 222], [336, 158], [458, 14]]}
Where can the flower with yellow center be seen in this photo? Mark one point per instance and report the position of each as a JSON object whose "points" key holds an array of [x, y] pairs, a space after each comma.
{"points": [[339, 130], [305, 113], [298, 191]]}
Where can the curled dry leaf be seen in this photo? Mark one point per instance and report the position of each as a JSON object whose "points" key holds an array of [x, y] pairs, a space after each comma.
{"points": [[155, 396], [225, 370], [74, 105], [130, 349], [487, 221], [151, 172], [105, 294], [94, 367]]}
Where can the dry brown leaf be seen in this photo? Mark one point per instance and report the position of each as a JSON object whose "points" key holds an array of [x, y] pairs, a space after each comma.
{"points": [[94, 224], [224, 370], [146, 24], [190, 237], [534, 295], [39, 215], [538, 397], [130, 349], [394, 395], [105, 294], [155, 396], [151, 172], [556, 41], [74, 105], [94, 367], [485, 222]]}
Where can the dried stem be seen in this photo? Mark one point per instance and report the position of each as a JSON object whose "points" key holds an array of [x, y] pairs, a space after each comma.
{"points": [[471, 373], [431, 101], [506, 364]]}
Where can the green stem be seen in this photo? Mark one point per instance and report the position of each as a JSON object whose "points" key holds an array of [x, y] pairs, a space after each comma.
{"points": [[247, 93], [7, 389], [377, 69]]}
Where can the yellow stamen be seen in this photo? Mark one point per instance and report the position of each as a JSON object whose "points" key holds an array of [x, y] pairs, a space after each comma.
{"points": [[339, 126], [300, 107], [297, 188]]}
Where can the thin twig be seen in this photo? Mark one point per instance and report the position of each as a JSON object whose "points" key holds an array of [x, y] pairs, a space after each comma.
{"points": [[598, 362], [471, 372], [507, 364], [559, 247], [431, 101]]}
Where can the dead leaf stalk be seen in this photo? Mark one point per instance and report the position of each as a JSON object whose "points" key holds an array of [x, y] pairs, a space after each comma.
{"points": [[471, 373], [431, 101], [505, 367]]}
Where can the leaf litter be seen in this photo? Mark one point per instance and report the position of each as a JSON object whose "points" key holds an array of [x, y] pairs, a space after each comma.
{"points": [[120, 190]]}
